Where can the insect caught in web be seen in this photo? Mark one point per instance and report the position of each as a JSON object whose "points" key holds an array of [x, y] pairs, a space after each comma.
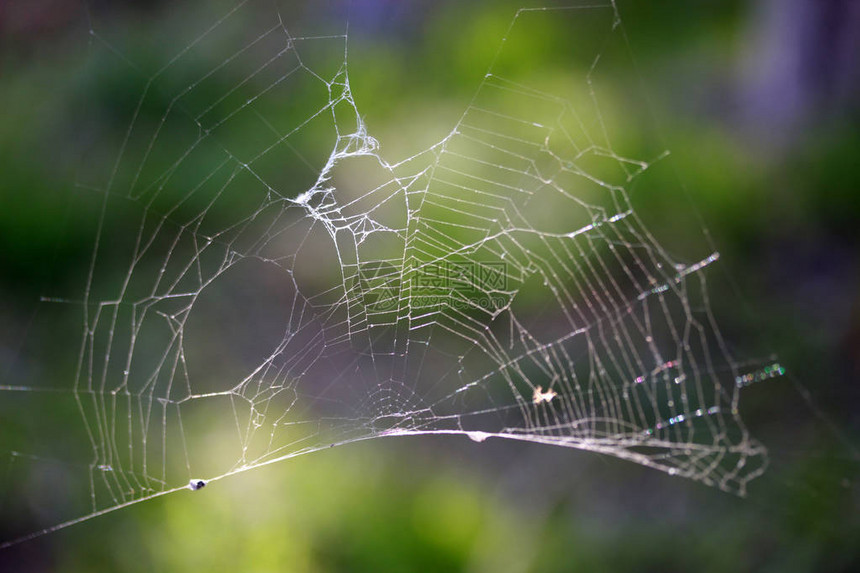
{"points": [[196, 484]]}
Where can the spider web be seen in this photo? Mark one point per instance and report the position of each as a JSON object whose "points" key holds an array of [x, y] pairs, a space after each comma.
{"points": [[286, 286]]}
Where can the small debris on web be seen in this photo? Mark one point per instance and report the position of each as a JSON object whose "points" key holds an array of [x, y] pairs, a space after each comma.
{"points": [[478, 436], [541, 396]]}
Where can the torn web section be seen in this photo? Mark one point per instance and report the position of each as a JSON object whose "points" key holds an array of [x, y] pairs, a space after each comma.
{"points": [[192, 331], [598, 338]]}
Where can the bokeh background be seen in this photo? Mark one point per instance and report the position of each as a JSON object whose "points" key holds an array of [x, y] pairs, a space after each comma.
{"points": [[757, 102]]}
